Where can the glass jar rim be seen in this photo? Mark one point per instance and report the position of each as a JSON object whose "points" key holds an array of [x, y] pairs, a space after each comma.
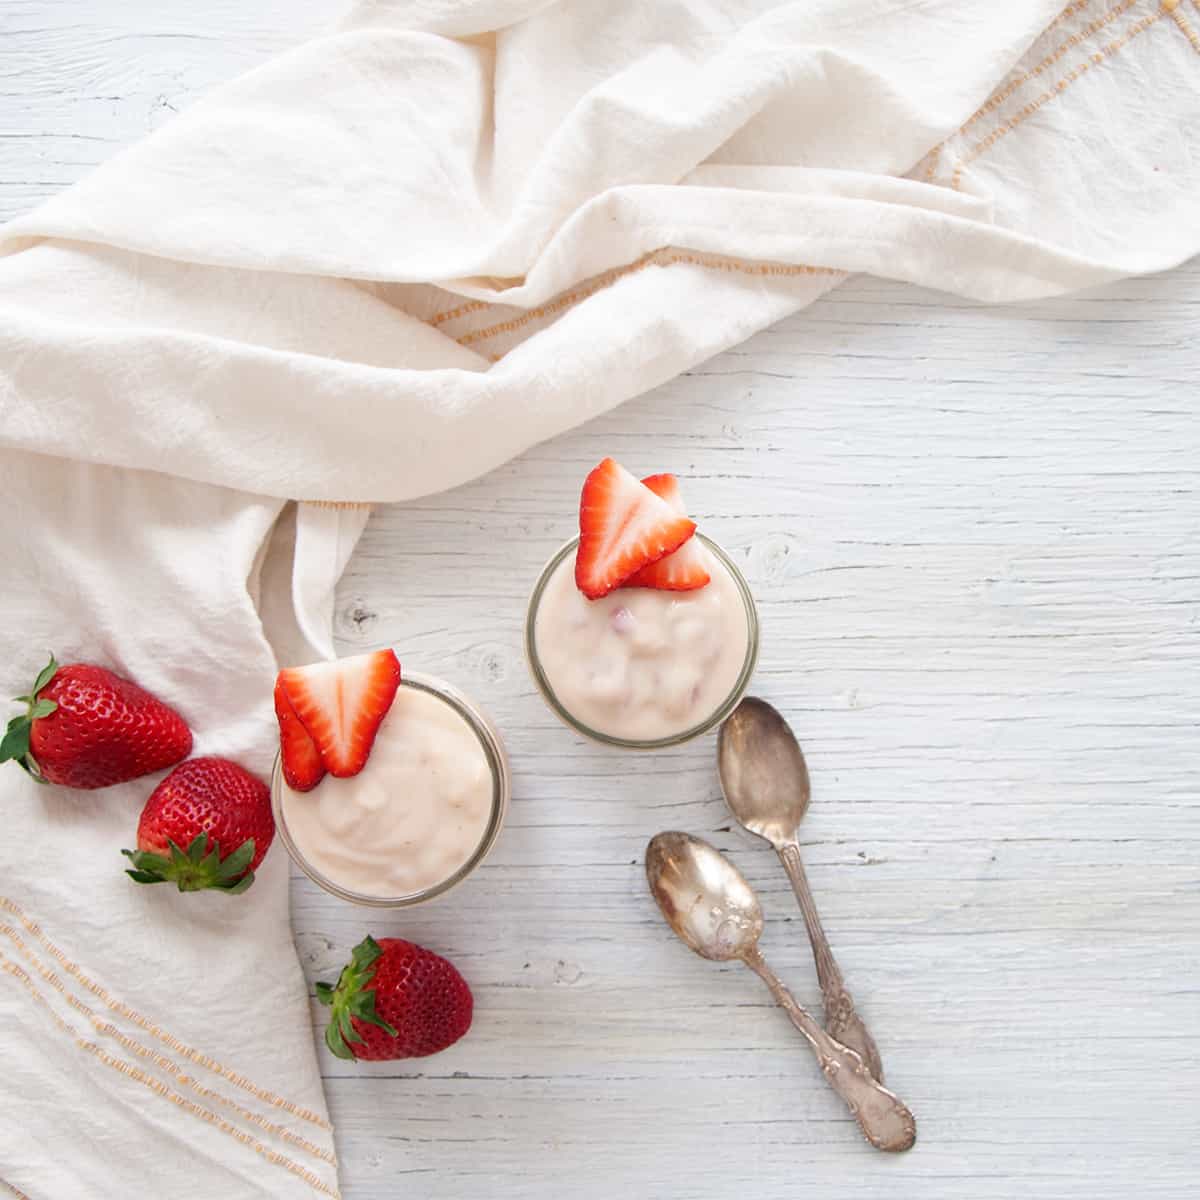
{"points": [[493, 747], [676, 739]]}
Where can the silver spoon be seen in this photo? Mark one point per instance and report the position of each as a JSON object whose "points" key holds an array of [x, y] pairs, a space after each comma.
{"points": [[710, 906], [765, 780]]}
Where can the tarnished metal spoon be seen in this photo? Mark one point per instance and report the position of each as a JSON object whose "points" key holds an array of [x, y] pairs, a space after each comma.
{"points": [[765, 781], [710, 906]]}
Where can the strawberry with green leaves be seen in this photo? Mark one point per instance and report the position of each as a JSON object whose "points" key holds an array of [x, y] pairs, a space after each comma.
{"points": [[207, 825], [85, 727], [395, 999]]}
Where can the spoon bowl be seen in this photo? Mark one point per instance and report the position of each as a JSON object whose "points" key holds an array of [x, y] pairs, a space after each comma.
{"points": [[703, 896], [763, 772]]}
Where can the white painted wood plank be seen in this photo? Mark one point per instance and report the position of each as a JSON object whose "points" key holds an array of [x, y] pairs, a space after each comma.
{"points": [[79, 81], [975, 540]]}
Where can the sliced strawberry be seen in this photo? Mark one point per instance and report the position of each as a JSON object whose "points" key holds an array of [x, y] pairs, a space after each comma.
{"points": [[341, 705], [686, 569], [666, 487], [302, 765], [622, 527]]}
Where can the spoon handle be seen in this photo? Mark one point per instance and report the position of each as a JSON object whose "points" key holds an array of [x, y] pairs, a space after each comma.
{"points": [[885, 1121], [841, 1017]]}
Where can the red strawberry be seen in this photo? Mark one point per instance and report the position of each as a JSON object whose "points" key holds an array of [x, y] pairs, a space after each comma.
{"points": [[341, 705], [88, 728], [302, 765], [395, 999], [622, 527], [687, 568], [206, 800]]}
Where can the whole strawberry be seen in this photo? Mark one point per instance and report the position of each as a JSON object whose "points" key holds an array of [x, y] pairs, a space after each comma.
{"points": [[395, 999], [88, 728], [208, 824]]}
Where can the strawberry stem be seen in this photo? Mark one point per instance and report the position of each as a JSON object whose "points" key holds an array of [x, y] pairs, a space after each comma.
{"points": [[196, 868], [352, 998], [15, 743]]}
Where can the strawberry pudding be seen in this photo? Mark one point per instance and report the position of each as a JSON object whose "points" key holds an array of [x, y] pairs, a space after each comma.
{"points": [[641, 633], [387, 791]]}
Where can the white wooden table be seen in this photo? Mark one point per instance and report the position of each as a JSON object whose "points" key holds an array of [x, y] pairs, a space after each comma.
{"points": [[974, 536]]}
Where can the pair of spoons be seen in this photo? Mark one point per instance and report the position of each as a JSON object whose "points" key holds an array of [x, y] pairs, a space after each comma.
{"points": [[714, 911]]}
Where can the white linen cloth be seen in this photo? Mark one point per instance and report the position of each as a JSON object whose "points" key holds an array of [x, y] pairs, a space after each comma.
{"points": [[378, 266]]}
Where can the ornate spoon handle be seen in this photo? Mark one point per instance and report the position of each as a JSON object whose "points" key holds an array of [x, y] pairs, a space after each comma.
{"points": [[886, 1123], [841, 1017]]}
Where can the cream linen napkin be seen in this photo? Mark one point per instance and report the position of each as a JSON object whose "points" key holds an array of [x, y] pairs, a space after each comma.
{"points": [[380, 265]]}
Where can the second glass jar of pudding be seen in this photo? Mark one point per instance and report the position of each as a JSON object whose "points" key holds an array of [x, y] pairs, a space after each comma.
{"points": [[642, 668], [420, 816]]}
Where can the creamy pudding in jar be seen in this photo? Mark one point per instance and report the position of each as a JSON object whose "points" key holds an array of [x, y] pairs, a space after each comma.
{"points": [[641, 632], [421, 812], [642, 665]]}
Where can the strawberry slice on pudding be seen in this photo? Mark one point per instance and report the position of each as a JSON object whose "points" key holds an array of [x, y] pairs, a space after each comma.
{"points": [[339, 706], [623, 527], [302, 765], [685, 569]]}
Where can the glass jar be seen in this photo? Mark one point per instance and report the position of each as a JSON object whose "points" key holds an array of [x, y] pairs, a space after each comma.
{"points": [[696, 729], [497, 759]]}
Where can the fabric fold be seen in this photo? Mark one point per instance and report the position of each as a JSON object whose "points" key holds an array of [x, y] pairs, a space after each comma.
{"points": [[141, 1017]]}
